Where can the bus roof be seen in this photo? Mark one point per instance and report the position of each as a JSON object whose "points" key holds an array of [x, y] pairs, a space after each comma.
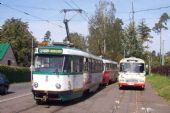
{"points": [[132, 59]]}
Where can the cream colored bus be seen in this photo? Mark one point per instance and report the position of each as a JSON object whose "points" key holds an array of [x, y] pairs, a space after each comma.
{"points": [[132, 73]]}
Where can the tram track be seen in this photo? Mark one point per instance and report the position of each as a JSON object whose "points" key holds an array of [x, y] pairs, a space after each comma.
{"points": [[26, 109], [57, 110]]}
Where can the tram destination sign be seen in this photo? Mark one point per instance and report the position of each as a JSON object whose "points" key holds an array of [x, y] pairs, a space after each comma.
{"points": [[50, 51]]}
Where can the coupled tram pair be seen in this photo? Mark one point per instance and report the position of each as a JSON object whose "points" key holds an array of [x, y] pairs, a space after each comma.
{"points": [[65, 73], [132, 73]]}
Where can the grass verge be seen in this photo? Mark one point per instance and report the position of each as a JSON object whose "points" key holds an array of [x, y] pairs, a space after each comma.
{"points": [[161, 84]]}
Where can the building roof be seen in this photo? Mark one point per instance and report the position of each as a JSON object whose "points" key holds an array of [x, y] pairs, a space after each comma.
{"points": [[3, 49]]}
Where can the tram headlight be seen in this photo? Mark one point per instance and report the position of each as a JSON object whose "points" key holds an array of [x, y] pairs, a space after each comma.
{"points": [[35, 85], [57, 85]]}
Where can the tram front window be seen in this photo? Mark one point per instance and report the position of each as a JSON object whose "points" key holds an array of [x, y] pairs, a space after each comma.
{"points": [[49, 63], [132, 67]]}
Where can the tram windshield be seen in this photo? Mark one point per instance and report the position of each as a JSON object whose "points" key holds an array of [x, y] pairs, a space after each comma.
{"points": [[49, 63], [58, 63], [132, 67]]}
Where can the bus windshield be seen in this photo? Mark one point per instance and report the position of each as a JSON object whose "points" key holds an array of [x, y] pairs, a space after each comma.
{"points": [[132, 67], [46, 63]]}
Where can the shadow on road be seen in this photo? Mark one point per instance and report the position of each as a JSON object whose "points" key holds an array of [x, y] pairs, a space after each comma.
{"points": [[9, 92], [74, 101]]}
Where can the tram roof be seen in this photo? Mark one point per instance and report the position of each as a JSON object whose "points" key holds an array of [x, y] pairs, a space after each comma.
{"points": [[109, 61], [67, 51], [132, 59]]}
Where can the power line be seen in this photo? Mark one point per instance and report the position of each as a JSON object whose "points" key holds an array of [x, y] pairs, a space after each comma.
{"points": [[38, 8], [144, 10], [68, 4], [84, 12], [152, 9], [28, 14]]}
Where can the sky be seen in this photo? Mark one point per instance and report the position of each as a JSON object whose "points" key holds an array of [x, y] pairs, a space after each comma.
{"points": [[43, 15]]}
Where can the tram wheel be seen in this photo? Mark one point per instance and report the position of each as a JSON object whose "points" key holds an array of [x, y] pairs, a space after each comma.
{"points": [[39, 102]]}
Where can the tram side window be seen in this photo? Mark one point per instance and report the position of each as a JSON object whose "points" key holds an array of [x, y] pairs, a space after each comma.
{"points": [[85, 65], [90, 65], [93, 66], [100, 66], [97, 66], [81, 64], [76, 64], [67, 64]]}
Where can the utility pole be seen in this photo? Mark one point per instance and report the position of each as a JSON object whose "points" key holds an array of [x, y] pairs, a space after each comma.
{"points": [[161, 47], [163, 59], [65, 21], [32, 55], [133, 32], [133, 13]]}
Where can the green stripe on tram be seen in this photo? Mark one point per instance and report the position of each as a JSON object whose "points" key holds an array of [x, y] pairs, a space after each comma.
{"points": [[58, 73]]}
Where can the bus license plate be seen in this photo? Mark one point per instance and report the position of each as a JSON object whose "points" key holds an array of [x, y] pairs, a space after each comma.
{"points": [[130, 83]]}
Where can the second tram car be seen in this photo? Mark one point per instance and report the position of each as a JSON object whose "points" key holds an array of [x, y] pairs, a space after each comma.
{"points": [[64, 73], [132, 72], [110, 71]]}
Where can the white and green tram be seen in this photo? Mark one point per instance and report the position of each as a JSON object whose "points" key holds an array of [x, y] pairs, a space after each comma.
{"points": [[64, 73]]}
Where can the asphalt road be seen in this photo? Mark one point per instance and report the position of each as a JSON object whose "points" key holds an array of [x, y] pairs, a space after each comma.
{"points": [[107, 100]]}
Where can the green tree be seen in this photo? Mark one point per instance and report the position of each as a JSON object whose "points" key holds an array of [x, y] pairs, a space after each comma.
{"points": [[77, 40], [144, 34], [131, 42], [115, 41], [16, 32], [105, 31], [159, 26], [47, 36]]}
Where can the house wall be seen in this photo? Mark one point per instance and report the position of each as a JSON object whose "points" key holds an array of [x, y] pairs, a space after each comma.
{"points": [[9, 57]]}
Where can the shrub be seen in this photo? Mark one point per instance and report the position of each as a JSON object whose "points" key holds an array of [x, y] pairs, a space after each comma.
{"points": [[163, 70], [16, 74]]}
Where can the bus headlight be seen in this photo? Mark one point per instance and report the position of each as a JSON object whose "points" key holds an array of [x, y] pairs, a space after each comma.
{"points": [[57, 85], [35, 85], [121, 80], [141, 81]]}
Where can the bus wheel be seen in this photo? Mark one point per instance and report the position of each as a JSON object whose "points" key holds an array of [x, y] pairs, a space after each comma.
{"points": [[143, 87], [120, 87]]}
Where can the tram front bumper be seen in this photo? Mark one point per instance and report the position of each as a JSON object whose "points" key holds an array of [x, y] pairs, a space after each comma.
{"points": [[46, 95]]}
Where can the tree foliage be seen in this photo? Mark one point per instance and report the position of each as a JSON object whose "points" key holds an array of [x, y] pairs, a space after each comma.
{"points": [[131, 43], [105, 32], [16, 32], [77, 40], [47, 36], [161, 23], [144, 34]]}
